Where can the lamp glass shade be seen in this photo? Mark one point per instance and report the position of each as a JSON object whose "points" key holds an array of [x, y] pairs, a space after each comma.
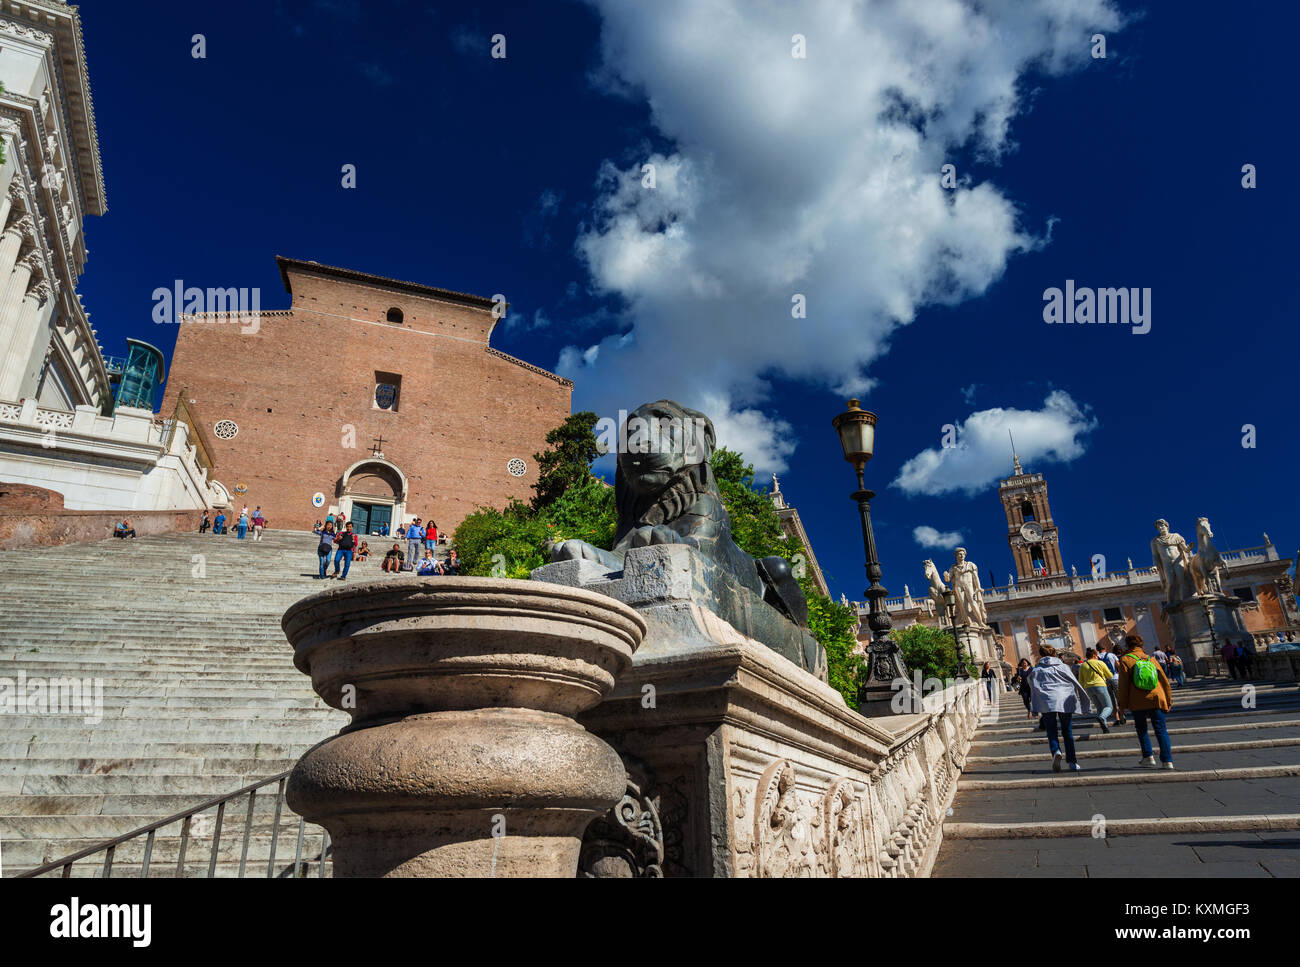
{"points": [[857, 431]]}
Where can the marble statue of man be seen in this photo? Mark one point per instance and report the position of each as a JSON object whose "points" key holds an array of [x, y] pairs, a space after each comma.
{"points": [[1173, 561], [964, 577]]}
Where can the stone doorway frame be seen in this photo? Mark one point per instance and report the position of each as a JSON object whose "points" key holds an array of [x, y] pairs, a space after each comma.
{"points": [[344, 499]]}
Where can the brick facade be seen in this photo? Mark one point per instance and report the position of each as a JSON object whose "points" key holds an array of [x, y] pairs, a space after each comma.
{"points": [[301, 389]]}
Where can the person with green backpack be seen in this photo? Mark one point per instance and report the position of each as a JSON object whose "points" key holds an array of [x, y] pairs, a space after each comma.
{"points": [[1144, 691]]}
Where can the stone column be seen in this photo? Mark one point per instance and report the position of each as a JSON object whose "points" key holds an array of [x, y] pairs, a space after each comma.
{"points": [[463, 757], [11, 304], [23, 332]]}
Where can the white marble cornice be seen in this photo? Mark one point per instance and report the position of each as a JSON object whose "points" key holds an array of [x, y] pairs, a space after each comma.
{"points": [[26, 32]]}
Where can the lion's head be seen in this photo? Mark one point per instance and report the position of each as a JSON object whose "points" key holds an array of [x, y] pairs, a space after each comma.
{"points": [[664, 464]]}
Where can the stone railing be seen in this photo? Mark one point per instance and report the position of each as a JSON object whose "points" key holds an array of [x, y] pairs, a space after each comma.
{"points": [[1269, 638], [1277, 666]]}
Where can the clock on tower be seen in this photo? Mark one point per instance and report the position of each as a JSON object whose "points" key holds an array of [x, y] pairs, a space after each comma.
{"points": [[1031, 532]]}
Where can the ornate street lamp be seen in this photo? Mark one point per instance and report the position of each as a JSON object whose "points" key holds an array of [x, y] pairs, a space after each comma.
{"points": [[857, 432], [950, 603]]}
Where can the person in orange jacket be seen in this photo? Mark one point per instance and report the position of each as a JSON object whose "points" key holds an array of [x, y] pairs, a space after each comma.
{"points": [[1137, 669]]}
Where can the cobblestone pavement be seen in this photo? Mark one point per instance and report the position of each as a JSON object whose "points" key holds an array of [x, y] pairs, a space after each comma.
{"points": [[1230, 808]]}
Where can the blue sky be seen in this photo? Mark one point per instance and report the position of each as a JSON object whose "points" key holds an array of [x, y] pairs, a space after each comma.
{"points": [[776, 176]]}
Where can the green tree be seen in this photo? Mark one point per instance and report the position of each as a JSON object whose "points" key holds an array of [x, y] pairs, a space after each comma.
{"points": [[929, 651], [835, 626], [573, 449], [756, 529], [755, 526]]}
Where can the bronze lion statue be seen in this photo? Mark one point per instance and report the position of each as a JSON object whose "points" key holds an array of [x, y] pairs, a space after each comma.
{"points": [[666, 493]]}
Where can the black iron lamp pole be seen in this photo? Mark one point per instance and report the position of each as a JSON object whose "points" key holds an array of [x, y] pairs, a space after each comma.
{"points": [[856, 428]]}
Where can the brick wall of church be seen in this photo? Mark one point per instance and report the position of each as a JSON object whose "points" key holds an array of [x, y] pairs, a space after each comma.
{"points": [[296, 385]]}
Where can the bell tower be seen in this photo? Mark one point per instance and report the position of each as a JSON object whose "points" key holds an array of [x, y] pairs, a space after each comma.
{"points": [[1031, 532]]}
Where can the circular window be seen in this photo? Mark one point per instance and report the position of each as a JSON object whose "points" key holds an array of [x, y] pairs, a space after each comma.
{"points": [[385, 396], [517, 467], [226, 429]]}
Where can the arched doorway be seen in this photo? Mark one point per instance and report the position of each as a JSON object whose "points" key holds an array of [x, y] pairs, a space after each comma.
{"points": [[372, 493]]}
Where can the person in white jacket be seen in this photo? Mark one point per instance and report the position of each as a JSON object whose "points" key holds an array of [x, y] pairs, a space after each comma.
{"points": [[1058, 696]]}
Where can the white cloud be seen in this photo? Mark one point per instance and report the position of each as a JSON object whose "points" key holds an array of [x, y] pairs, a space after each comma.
{"points": [[927, 536], [817, 176], [983, 451]]}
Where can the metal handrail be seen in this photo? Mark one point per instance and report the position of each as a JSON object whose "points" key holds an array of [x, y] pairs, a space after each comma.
{"points": [[186, 818]]}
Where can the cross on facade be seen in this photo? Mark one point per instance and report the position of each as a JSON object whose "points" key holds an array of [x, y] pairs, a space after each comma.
{"points": [[378, 449]]}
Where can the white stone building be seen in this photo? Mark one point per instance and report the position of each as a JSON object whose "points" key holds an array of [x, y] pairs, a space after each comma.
{"points": [[58, 429]]}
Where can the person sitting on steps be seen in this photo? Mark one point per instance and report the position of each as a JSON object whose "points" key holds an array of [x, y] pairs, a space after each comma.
{"points": [[393, 559]]}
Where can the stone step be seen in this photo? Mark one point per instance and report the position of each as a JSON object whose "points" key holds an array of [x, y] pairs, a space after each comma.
{"points": [[1141, 800], [186, 720], [1182, 855], [234, 767], [132, 804], [196, 788], [226, 748]]}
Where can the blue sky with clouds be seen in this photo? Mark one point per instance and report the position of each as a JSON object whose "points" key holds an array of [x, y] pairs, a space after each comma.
{"points": [[776, 177]]}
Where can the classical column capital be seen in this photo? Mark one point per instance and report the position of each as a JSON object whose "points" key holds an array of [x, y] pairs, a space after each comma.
{"points": [[42, 292], [17, 191], [34, 261], [27, 226]]}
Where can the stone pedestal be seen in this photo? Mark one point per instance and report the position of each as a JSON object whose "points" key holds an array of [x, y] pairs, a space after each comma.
{"points": [[1192, 632], [683, 596], [463, 757], [979, 644]]}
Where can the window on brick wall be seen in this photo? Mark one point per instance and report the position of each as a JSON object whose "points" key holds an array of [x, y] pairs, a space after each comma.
{"points": [[1051, 621], [394, 315], [1245, 594], [388, 391], [1112, 614]]}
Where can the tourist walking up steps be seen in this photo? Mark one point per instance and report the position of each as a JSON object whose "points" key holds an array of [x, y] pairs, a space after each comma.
{"points": [[414, 541], [1022, 683], [243, 524], [1144, 691], [326, 545], [1229, 655], [1058, 696], [990, 680], [1112, 683], [1094, 674], [346, 542], [1174, 668], [259, 524]]}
